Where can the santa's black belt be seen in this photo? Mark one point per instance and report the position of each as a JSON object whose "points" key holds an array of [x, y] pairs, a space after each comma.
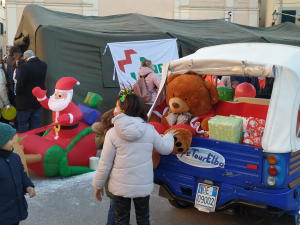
{"points": [[69, 127]]}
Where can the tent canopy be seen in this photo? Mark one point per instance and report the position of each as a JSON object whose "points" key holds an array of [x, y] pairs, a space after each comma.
{"points": [[73, 45]]}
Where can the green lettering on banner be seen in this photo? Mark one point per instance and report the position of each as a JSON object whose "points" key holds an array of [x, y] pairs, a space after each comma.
{"points": [[133, 76], [155, 69], [159, 67], [142, 59]]}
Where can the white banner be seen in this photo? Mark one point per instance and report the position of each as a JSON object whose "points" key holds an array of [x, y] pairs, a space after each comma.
{"points": [[128, 56]]}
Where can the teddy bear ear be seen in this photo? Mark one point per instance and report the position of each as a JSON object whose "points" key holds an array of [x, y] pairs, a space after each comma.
{"points": [[214, 94], [172, 77], [16, 138]]}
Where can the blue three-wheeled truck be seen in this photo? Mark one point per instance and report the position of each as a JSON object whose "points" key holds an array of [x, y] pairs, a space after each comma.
{"points": [[215, 175]]}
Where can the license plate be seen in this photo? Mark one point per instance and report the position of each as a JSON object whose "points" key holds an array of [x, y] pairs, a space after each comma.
{"points": [[206, 197]]}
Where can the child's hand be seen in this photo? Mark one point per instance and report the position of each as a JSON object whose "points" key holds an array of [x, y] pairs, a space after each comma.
{"points": [[98, 194], [7, 107], [173, 132], [31, 192]]}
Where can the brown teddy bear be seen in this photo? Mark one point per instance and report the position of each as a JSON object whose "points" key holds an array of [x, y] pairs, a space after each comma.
{"points": [[19, 149], [187, 108]]}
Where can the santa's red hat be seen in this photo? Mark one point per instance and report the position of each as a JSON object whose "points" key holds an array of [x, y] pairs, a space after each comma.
{"points": [[66, 84]]}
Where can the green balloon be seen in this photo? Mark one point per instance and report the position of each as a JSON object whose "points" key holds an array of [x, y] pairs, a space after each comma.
{"points": [[226, 94]]}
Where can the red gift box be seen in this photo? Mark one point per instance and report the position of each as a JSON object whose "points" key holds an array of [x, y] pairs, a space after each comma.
{"points": [[254, 132]]}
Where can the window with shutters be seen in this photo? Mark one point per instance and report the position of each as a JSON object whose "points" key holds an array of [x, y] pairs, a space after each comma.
{"points": [[287, 18]]}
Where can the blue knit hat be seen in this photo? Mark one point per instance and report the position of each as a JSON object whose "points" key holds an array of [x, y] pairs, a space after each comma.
{"points": [[6, 133]]}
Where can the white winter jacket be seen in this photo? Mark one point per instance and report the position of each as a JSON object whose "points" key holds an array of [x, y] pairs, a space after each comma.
{"points": [[127, 156]]}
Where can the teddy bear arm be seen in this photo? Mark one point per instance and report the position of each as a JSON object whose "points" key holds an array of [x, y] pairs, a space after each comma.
{"points": [[164, 119], [214, 94], [31, 158], [155, 158], [204, 124], [154, 118]]}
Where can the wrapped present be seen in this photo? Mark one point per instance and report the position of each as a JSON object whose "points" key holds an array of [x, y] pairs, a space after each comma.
{"points": [[90, 115], [254, 132], [245, 121], [93, 100], [225, 94], [223, 128]]}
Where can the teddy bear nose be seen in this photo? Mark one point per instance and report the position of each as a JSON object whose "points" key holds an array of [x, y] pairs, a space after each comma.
{"points": [[175, 105]]}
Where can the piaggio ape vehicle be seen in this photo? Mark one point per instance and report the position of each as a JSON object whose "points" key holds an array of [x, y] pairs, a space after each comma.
{"points": [[267, 179]]}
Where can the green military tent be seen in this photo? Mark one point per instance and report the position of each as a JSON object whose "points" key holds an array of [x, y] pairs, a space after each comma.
{"points": [[73, 45]]}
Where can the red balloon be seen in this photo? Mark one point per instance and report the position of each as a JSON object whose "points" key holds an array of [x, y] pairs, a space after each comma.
{"points": [[245, 90]]}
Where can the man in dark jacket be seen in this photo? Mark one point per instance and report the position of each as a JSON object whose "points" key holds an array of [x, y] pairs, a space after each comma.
{"points": [[31, 74], [14, 182]]}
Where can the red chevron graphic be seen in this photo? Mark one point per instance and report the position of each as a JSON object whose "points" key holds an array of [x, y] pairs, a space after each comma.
{"points": [[127, 60]]}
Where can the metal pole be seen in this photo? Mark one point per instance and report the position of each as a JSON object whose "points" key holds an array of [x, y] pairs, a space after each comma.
{"points": [[279, 13]]}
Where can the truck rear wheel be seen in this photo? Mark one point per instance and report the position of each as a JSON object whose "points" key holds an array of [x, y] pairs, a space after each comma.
{"points": [[178, 204]]}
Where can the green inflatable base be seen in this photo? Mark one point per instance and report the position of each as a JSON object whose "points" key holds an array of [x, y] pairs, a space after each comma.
{"points": [[55, 160]]}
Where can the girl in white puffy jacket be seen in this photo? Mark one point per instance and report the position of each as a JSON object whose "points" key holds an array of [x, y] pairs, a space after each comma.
{"points": [[127, 156]]}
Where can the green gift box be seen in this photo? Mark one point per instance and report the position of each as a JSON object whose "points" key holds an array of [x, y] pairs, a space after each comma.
{"points": [[225, 128], [225, 94], [93, 100]]}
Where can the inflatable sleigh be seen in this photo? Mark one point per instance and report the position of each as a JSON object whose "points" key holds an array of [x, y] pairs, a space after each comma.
{"points": [[67, 144]]}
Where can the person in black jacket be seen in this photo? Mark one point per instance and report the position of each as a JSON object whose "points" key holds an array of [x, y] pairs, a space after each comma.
{"points": [[14, 182], [14, 51], [32, 74]]}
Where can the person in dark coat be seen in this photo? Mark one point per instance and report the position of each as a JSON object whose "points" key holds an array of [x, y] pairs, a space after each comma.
{"points": [[266, 90], [14, 182], [14, 51], [32, 74]]}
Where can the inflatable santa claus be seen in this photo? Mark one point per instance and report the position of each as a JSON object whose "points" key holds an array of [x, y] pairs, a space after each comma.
{"points": [[67, 144], [64, 111]]}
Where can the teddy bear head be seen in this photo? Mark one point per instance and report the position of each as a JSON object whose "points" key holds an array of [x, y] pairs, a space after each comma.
{"points": [[190, 93]]}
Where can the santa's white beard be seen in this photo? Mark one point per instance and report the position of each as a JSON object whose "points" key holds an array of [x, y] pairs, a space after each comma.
{"points": [[58, 105]]}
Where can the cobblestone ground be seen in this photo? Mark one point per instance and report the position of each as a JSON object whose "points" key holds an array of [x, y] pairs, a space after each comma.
{"points": [[64, 201]]}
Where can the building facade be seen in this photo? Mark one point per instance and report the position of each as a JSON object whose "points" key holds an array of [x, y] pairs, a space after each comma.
{"points": [[291, 7], [2, 29], [244, 12]]}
